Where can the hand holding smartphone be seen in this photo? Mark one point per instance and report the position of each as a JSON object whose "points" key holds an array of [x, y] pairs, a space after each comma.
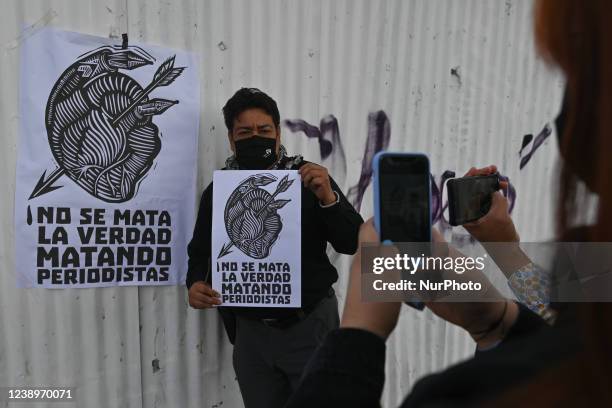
{"points": [[469, 198]]}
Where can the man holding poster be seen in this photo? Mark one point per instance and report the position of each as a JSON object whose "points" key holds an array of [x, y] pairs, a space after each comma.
{"points": [[260, 240]]}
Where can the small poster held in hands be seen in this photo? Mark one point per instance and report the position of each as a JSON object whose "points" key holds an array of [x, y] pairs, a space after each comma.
{"points": [[256, 237]]}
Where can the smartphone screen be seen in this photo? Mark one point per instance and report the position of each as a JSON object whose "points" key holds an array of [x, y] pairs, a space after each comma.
{"points": [[404, 198], [469, 198]]}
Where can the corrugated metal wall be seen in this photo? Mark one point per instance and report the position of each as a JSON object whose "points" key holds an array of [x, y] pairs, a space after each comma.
{"points": [[458, 80]]}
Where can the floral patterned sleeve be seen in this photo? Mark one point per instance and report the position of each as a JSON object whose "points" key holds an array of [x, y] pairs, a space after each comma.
{"points": [[531, 286]]}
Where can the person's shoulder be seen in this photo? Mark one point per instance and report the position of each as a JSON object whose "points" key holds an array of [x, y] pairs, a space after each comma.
{"points": [[208, 190]]}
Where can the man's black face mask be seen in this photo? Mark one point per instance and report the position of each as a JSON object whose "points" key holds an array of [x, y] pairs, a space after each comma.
{"points": [[256, 152]]}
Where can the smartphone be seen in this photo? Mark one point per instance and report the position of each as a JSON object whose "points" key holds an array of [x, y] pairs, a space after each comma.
{"points": [[402, 199], [469, 198]]}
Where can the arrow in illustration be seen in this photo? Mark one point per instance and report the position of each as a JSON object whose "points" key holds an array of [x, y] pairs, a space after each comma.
{"points": [[164, 76], [281, 187], [225, 249], [45, 185]]}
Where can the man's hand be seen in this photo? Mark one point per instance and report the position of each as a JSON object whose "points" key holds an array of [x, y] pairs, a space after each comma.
{"points": [[496, 225], [316, 178], [202, 296]]}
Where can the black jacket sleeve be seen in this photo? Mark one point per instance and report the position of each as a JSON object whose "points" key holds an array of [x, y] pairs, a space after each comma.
{"points": [[529, 347], [198, 249], [342, 223], [347, 370]]}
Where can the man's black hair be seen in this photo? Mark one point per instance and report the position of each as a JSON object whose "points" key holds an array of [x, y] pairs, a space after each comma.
{"points": [[249, 98]]}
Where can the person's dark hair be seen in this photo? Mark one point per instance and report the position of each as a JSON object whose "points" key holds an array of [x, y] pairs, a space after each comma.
{"points": [[575, 35], [249, 98]]}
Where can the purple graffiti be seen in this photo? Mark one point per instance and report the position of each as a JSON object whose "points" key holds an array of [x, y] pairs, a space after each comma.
{"points": [[379, 134], [330, 145], [438, 205], [540, 138], [526, 140], [509, 192]]}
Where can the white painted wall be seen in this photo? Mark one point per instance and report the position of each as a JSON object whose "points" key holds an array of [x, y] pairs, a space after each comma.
{"points": [[316, 57]]}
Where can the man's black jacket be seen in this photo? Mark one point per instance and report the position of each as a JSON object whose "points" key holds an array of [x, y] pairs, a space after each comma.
{"points": [[338, 225]]}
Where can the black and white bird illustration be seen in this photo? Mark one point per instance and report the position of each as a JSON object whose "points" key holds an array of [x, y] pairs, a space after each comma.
{"points": [[99, 122], [251, 215]]}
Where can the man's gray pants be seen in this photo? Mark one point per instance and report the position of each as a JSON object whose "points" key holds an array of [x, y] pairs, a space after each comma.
{"points": [[269, 361]]}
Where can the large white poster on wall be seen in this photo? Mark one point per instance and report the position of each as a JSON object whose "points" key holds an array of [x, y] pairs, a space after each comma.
{"points": [[107, 159], [256, 237]]}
